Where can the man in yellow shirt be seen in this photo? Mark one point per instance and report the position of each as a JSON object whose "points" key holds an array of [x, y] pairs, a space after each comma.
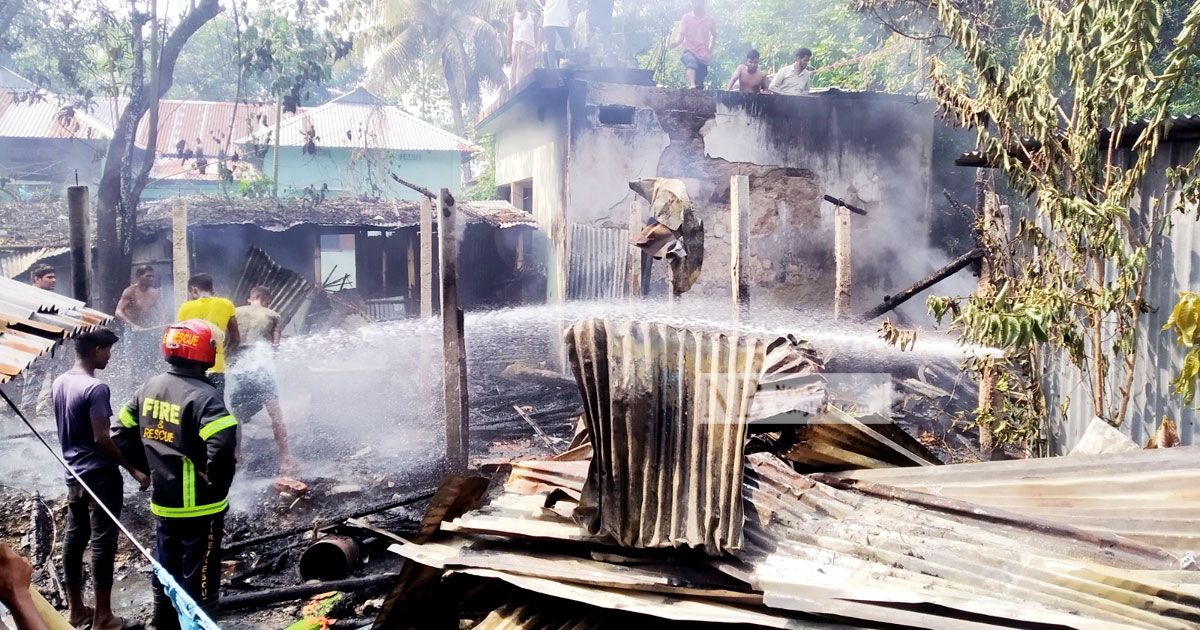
{"points": [[217, 311]]}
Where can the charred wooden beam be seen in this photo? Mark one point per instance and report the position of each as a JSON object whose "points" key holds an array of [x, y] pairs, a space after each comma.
{"points": [[420, 189], [420, 495], [289, 593], [838, 202], [892, 301]]}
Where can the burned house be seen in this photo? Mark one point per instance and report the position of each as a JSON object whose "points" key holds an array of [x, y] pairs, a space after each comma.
{"points": [[569, 142], [370, 248]]}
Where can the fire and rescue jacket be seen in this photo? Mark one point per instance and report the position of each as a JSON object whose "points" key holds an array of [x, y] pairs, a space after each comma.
{"points": [[177, 430]]}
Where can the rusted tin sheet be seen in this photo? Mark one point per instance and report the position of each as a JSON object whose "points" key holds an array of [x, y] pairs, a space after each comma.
{"points": [[1150, 496], [33, 321], [288, 288], [666, 407], [808, 539]]}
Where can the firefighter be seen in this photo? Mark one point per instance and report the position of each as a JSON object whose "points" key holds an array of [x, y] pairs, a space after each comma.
{"points": [[178, 430]]}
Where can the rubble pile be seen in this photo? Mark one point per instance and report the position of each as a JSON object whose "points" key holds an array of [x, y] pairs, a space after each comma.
{"points": [[689, 500]]}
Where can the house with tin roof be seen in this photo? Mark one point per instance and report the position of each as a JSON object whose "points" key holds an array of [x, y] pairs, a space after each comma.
{"points": [[45, 143], [353, 144]]}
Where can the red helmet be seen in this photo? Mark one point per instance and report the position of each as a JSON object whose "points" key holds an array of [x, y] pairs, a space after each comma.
{"points": [[190, 340]]}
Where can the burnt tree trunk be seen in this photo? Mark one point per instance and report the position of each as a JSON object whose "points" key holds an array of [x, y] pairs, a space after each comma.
{"points": [[121, 184]]}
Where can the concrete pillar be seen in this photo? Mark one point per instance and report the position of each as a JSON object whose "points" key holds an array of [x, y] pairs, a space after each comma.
{"points": [[739, 240], [180, 262], [843, 274]]}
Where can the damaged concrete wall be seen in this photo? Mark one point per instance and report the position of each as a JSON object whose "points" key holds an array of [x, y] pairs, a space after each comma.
{"points": [[872, 150], [533, 149]]}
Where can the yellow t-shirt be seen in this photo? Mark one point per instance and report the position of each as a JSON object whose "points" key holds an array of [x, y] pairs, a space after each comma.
{"points": [[216, 311]]}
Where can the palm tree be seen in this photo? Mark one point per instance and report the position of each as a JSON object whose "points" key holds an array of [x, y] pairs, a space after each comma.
{"points": [[455, 36]]}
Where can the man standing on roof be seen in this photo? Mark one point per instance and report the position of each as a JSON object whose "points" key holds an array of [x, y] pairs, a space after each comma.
{"points": [[556, 25], [179, 431], [795, 79], [83, 411], [697, 35], [217, 311], [522, 42]]}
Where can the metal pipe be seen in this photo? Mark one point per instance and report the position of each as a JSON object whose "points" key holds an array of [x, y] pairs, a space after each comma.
{"points": [[330, 558]]}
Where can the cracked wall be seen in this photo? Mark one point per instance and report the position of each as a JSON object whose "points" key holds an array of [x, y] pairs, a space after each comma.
{"points": [[872, 150]]}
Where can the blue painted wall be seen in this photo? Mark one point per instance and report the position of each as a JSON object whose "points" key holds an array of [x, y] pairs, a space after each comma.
{"points": [[348, 172], [354, 172]]}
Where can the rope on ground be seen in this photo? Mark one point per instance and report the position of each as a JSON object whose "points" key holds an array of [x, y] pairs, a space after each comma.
{"points": [[191, 616]]}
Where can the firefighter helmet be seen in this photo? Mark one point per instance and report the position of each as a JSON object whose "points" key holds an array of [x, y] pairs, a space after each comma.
{"points": [[192, 341]]}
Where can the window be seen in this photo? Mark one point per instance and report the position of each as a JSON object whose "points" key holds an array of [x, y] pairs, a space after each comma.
{"points": [[338, 262], [614, 115]]}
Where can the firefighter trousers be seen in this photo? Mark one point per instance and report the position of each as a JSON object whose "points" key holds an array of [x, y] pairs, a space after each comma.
{"points": [[190, 549]]}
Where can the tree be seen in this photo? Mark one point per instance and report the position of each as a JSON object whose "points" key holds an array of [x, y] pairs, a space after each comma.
{"points": [[1072, 118], [454, 36], [210, 65], [124, 176]]}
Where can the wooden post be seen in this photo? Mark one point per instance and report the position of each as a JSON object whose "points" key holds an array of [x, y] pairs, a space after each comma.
{"points": [[453, 345], [180, 263], [426, 258], [739, 240], [636, 258], [411, 276], [81, 242], [841, 255]]}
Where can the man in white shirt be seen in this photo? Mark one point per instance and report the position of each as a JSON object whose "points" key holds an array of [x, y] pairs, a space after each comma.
{"points": [[556, 24], [794, 80], [522, 42]]}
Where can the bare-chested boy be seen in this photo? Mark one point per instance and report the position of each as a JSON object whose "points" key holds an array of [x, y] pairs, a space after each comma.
{"points": [[748, 78], [139, 301]]}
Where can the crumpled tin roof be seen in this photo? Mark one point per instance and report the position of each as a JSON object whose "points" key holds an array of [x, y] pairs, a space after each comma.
{"points": [[667, 409], [33, 321], [1141, 495]]}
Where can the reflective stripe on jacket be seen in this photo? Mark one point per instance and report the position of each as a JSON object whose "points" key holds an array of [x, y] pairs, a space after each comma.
{"points": [[188, 439]]}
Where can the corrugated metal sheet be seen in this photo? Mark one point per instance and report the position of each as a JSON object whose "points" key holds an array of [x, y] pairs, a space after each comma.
{"points": [[1159, 357], [288, 288], [598, 261], [1141, 495], [812, 543], [666, 408], [42, 116], [206, 124], [361, 120], [33, 321], [17, 262]]}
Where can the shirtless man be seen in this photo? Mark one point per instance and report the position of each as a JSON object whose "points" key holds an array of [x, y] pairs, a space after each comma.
{"points": [[748, 78], [139, 301]]}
